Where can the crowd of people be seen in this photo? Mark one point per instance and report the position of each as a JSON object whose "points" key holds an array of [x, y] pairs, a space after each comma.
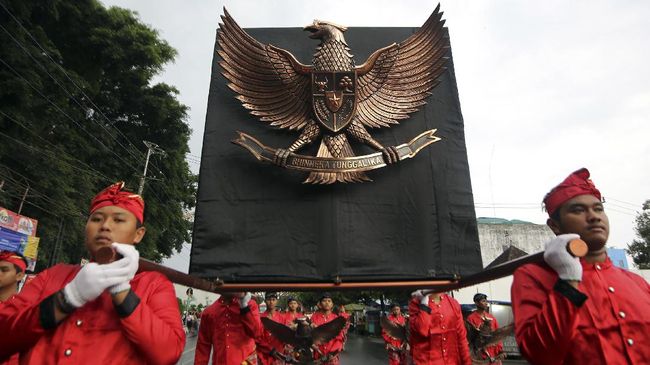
{"points": [[566, 310]]}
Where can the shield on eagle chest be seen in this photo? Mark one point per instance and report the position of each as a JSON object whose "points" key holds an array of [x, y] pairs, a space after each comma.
{"points": [[333, 98]]}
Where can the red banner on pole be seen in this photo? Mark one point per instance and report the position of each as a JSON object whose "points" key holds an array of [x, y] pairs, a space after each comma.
{"points": [[18, 223]]}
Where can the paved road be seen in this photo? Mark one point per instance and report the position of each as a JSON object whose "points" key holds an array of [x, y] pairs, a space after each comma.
{"points": [[359, 350]]}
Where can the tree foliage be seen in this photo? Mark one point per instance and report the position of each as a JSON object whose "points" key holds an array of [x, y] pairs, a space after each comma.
{"points": [[639, 249], [76, 102]]}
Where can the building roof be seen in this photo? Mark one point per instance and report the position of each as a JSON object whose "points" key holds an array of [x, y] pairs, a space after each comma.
{"points": [[509, 254], [495, 220]]}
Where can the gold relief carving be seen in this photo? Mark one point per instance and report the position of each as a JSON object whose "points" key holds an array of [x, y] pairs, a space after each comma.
{"points": [[346, 100]]}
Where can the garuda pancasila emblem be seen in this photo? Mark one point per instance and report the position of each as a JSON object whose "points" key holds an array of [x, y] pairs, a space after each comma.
{"points": [[333, 99]]}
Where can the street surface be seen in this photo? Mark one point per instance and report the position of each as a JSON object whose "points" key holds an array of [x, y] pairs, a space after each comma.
{"points": [[359, 350]]}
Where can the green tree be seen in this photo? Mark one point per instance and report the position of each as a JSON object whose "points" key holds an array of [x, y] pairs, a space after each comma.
{"points": [[76, 102], [639, 249]]}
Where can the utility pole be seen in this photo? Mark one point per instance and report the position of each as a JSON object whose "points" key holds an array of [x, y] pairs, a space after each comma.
{"points": [[152, 149], [22, 201]]}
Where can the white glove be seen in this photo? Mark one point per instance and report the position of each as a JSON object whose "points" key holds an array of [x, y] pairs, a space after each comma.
{"points": [[244, 299], [92, 280], [131, 258], [558, 258], [424, 299]]}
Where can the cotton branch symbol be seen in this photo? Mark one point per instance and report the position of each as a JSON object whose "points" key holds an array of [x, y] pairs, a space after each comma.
{"points": [[346, 84]]}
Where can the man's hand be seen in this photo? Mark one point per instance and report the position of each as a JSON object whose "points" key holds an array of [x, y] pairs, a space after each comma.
{"points": [[419, 295], [559, 259], [130, 259], [244, 299], [91, 281]]}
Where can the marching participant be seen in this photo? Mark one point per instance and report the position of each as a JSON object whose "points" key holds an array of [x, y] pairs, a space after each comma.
{"points": [[12, 271], [98, 313], [494, 353], [437, 334], [229, 328], [328, 353], [395, 346], [268, 346], [578, 311]]}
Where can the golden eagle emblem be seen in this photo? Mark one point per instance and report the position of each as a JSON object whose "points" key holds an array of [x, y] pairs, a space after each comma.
{"points": [[333, 99]]}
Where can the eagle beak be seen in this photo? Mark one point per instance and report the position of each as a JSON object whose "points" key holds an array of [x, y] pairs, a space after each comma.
{"points": [[312, 28]]}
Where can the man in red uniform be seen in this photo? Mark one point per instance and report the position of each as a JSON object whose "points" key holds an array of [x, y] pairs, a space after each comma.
{"points": [[268, 346], [580, 311], [98, 313], [437, 330], [395, 347], [229, 327], [292, 312], [494, 353], [328, 352], [12, 271]]}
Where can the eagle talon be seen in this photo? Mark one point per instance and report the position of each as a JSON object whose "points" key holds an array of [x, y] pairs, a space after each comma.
{"points": [[281, 156], [390, 155]]}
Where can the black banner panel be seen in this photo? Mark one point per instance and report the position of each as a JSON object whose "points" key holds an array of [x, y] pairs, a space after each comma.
{"points": [[258, 222]]}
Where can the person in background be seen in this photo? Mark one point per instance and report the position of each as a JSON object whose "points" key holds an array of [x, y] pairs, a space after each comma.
{"points": [[480, 317], [580, 311], [97, 314], [437, 330], [12, 271], [328, 353], [395, 347], [269, 348]]}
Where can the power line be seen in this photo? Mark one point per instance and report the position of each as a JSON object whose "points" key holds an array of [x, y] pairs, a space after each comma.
{"points": [[44, 52], [64, 113]]}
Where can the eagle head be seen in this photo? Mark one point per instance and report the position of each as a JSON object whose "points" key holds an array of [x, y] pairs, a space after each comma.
{"points": [[326, 31]]}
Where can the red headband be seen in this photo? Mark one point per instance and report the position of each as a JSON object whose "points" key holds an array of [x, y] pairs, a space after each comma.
{"points": [[578, 183], [115, 196], [14, 259]]}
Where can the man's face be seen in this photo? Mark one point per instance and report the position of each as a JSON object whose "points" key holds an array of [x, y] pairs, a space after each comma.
{"points": [[293, 306], [8, 274], [271, 303], [111, 224], [326, 304], [482, 304], [396, 311], [583, 215]]}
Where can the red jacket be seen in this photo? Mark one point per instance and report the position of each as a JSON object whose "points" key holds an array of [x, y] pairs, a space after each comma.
{"points": [[94, 333], [333, 346], [230, 332], [604, 321], [438, 334], [13, 359], [476, 320], [266, 342], [288, 318]]}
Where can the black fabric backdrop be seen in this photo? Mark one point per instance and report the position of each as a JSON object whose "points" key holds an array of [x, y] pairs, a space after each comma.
{"points": [[257, 222]]}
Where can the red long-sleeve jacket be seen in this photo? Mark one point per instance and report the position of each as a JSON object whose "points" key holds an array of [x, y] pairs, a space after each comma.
{"points": [[438, 334], [476, 320], [93, 334], [266, 342], [230, 332], [335, 345], [604, 321]]}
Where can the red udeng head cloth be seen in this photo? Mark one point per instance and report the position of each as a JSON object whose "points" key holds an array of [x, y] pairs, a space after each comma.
{"points": [[578, 183], [114, 195], [14, 259]]}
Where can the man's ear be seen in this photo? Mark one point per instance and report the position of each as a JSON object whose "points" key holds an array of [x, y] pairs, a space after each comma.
{"points": [[554, 226], [139, 235], [20, 276]]}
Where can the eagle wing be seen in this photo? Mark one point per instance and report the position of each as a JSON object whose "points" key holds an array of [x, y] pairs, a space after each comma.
{"points": [[280, 331], [393, 329], [268, 80], [327, 331], [396, 80]]}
